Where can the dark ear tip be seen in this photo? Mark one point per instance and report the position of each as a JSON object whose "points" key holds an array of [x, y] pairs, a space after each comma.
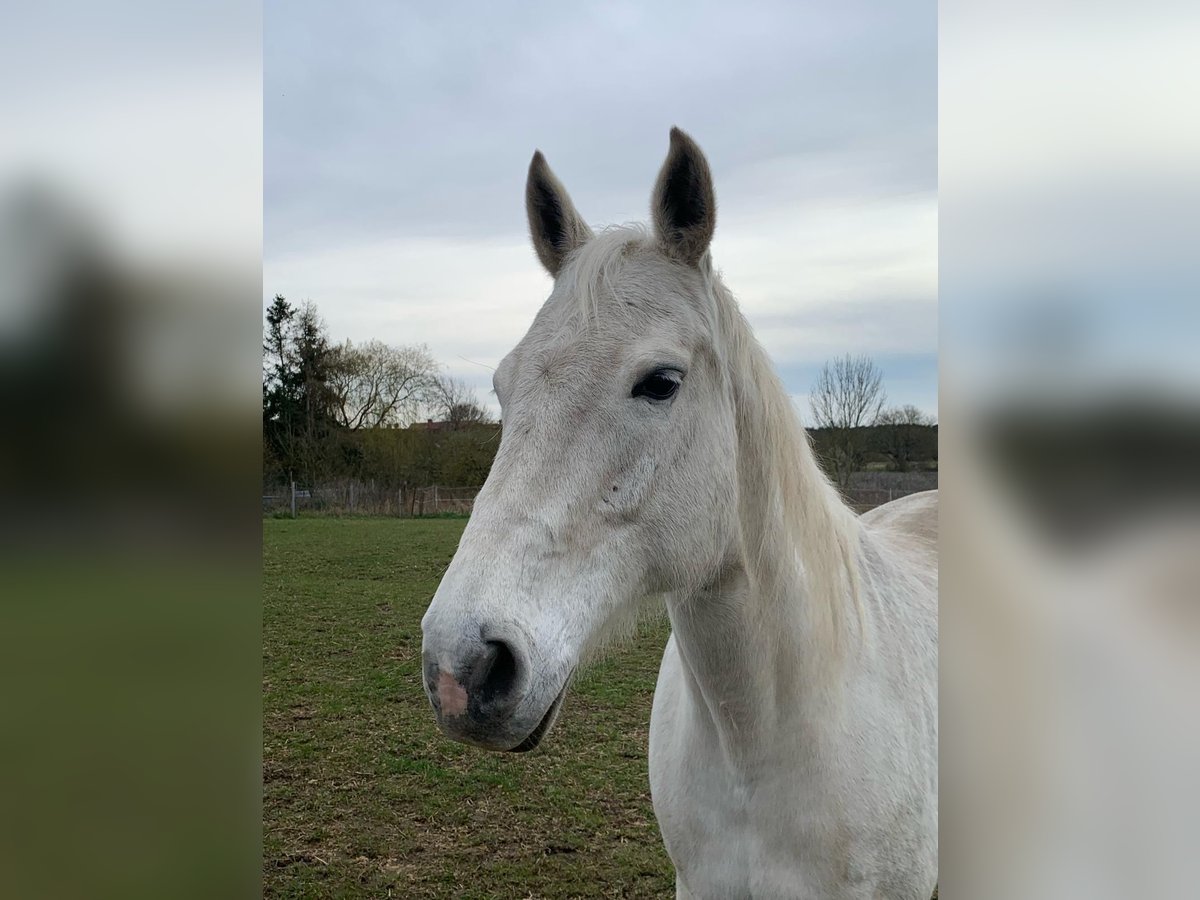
{"points": [[680, 138]]}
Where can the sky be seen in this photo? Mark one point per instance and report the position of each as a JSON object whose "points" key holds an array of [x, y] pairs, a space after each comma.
{"points": [[397, 139]]}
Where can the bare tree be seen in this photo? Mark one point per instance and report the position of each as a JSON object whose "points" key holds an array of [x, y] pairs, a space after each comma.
{"points": [[901, 427], [847, 397], [455, 402], [376, 385]]}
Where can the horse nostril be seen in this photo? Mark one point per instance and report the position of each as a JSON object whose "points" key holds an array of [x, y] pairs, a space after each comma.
{"points": [[497, 673], [430, 672]]}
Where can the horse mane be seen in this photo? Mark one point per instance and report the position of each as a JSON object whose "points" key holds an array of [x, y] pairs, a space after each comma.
{"points": [[794, 524], [790, 513]]}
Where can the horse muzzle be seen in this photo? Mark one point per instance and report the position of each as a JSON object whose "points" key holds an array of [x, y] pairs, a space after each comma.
{"points": [[482, 692]]}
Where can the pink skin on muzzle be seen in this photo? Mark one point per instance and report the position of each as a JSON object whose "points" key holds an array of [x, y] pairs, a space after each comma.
{"points": [[452, 696]]}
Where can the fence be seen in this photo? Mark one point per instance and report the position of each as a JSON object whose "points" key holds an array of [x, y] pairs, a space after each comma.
{"points": [[437, 500], [867, 490], [368, 498]]}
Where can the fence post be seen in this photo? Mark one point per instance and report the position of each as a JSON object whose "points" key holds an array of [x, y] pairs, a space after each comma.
{"points": [[293, 499], [352, 496]]}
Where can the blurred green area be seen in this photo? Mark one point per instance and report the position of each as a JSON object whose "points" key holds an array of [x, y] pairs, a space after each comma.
{"points": [[129, 756]]}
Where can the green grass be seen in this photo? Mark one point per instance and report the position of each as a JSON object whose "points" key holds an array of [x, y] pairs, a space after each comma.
{"points": [[363, 797]]}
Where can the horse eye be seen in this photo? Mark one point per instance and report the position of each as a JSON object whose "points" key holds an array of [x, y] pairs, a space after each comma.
{"points": [[658, 385]]}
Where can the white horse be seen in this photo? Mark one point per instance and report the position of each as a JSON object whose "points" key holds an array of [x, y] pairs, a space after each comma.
{"points": [[650, 450]]}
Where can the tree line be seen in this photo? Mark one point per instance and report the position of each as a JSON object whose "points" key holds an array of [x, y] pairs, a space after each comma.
{"points": [[854, 426], [389, 414], [371, 411]]}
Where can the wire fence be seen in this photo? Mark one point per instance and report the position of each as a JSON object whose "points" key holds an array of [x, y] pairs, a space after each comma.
{"points": [[869, 489], [349, 497]]}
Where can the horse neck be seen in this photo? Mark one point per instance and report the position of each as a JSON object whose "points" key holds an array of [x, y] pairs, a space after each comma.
{"points": [[764, 640]]}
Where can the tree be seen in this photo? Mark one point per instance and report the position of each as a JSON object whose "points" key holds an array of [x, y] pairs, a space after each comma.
{"points": [[275, 341], [296, 394], [375, 385], [339, 410], [900, 429], [311, 347], [281, 408], [455, 402], [847, 397]]}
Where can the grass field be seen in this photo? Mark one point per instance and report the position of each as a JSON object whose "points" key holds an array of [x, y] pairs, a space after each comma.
{"points": [[363, 797]]}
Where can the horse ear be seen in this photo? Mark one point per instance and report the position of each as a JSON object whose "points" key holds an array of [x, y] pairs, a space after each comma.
{"points": [[555, 226], [684, 205]]}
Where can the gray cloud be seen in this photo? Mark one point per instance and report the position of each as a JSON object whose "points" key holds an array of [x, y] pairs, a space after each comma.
{"points": [[397, 138], [414, 120]]}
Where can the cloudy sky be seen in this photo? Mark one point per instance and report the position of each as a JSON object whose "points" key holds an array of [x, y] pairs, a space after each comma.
{"points": [[397, 138]]}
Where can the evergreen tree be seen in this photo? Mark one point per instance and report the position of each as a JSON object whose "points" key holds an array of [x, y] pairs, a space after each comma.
{"points": [[297, 398]]}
